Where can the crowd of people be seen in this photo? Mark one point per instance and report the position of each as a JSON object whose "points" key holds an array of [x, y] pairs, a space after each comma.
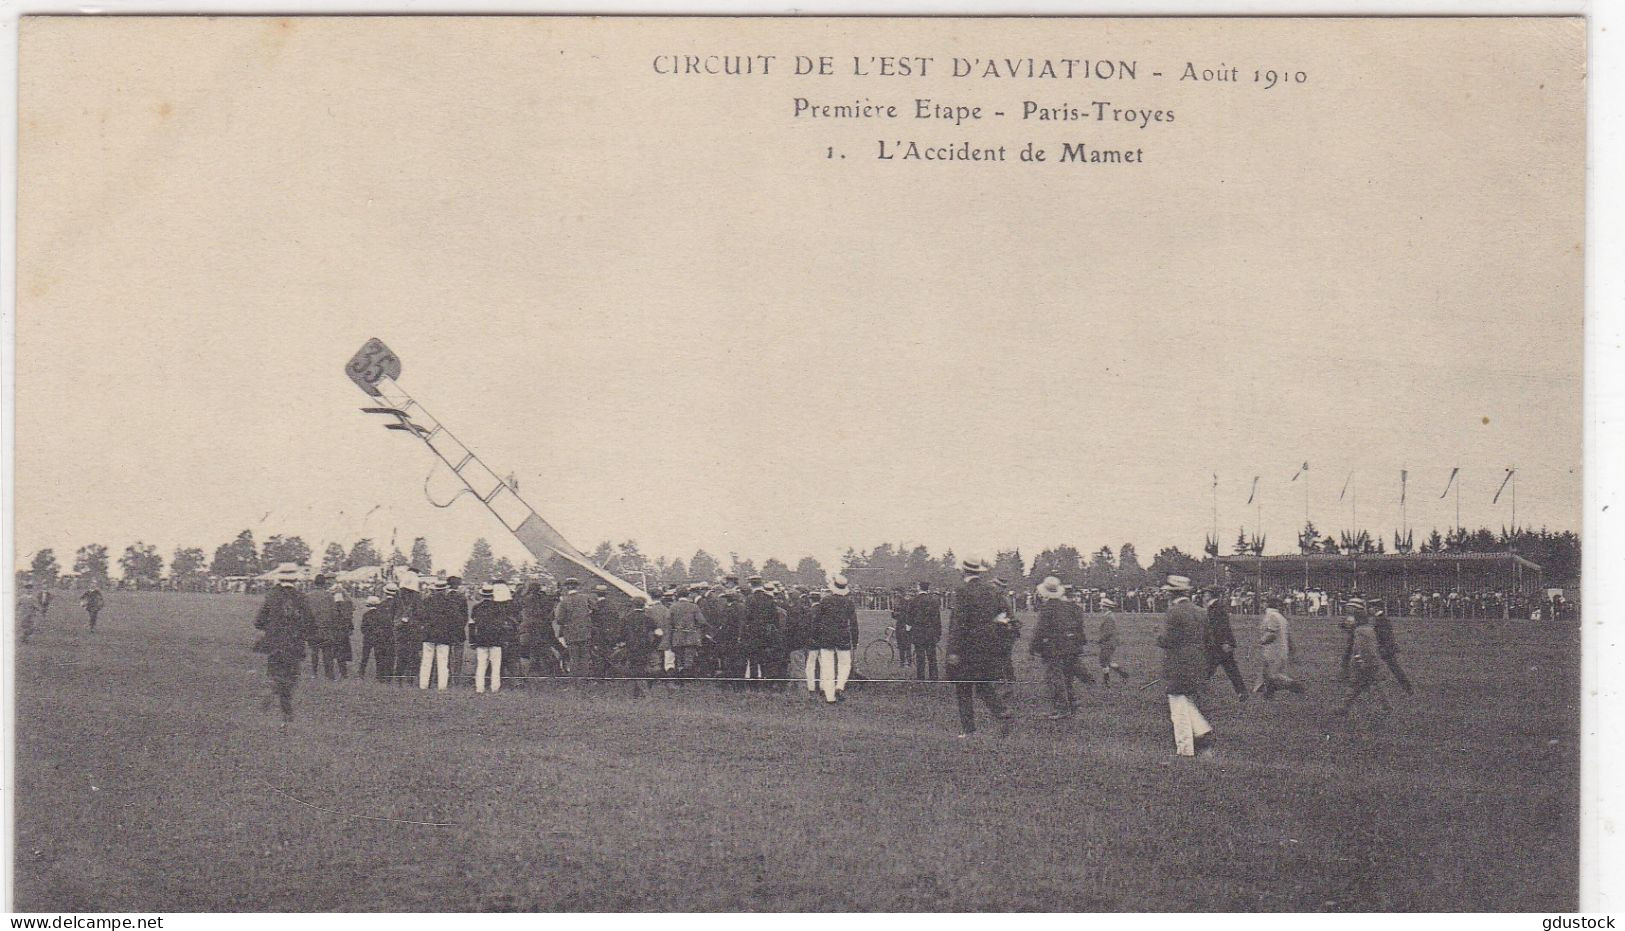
{"points": [[760, 635]]}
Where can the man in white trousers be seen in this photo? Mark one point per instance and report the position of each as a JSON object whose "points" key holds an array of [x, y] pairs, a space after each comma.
{"points": [[445, 620], [1185, 668], [492, 626], [834, 634]]}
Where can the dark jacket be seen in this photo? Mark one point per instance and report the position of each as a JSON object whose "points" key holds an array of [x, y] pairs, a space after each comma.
{"points": [[1060, 630], [1184, 640], [445, 618], [493, 624], [1220, 637], [606, 624], [637, 635], [925, 618], [727, 622], [574, 616], [760, 632], [835, 624], [798, 624], [287, 621], [975, 639], [336, 620], [375, 623]]}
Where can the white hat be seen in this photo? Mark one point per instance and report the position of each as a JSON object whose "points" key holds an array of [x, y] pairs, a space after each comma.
{"points": [[338, 596], [1178, 583], [1050, 588], [501, 592], [837, 584], [374, 600], [971, 565]]}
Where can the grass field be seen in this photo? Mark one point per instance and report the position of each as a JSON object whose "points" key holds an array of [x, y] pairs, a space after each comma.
{"points": [[150, 778]]}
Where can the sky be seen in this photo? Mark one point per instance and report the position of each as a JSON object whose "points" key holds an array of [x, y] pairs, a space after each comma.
{"points": [[661, 306]]}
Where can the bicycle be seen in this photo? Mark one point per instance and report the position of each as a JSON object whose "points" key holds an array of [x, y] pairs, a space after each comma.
{"points": [[881, 649]]}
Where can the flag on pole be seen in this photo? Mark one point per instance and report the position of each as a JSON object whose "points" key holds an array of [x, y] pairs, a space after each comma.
{"points": [[1404, 479], [1254, 493], [1301, 469], [1451, 482], [1345, 486], [1497, 498]]}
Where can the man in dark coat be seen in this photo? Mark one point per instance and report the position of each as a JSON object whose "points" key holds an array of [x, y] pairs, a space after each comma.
{"points": [[445, 622], [92, 600], [1185, 668], [377, 636], [606, 630], [1220, 642], [902, 627], [925, 630], [636, 647], [1383, 627], [574, 617], [490, 628], [976, 647], [710, 652], [759, 634], [288, 624], [834, 634], [540, 641], [335, 623], [407, 620], [1058, 641], [728, 625]]}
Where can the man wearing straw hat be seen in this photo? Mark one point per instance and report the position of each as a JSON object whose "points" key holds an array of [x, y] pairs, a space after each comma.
{"points": [[976, 647], [834, 634], [1058, 641], [1106, 641], [1185, 668]]}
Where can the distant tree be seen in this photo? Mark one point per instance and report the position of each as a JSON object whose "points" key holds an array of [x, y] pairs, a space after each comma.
{"points": [[239, 557], [503, 568], [1434, 543], [774, 570], [1328, 545], [1308, 538], [744, 568], [1242, 546], [1130, 574], [810, 573], [703, 567], [603, 556], [1064, 562], [480, 562], [676, 571], [630, 559], [187, 568], [141, 564], [278, 549], [1102, 571], [398, 558], [852, 559], [44, 569], [918, 566], [421, 562], [90, 564], [1008, 565], [364, 553], [333, 559], [1171, 560]]}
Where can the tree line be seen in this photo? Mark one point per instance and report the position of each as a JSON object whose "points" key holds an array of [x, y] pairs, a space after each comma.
{"points": [[900, 564]]}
